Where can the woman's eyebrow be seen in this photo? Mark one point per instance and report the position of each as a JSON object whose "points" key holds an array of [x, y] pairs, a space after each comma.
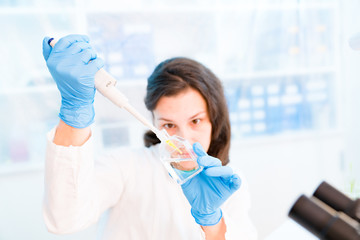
{"points": [[194, 116], [197, 114], [164, 119]]}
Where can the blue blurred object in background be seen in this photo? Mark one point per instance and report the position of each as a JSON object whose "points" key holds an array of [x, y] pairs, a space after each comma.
{"points": [[269, 106]]}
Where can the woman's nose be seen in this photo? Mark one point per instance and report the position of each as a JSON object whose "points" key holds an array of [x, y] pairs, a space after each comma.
{"points": [[184, 133]]}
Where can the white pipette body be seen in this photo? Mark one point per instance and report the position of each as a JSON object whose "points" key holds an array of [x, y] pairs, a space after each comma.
{"points": [[105, 84]]}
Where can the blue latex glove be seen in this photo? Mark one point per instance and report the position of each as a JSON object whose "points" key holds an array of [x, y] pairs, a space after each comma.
{"points": [[73, 64], [208, 190]]}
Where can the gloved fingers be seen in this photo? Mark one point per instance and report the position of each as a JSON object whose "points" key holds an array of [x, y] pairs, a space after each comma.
{"points": [[78, 47], [208, 161], [46, 48], [87, 55], [199, 150], [235, 182], [96, 64], [222, 171], [65, 42]]}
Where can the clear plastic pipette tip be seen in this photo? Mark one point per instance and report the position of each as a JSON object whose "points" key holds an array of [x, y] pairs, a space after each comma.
{"points": [[164, 137]]}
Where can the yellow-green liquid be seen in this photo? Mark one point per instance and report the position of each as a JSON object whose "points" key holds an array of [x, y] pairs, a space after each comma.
{"points": [[171, 144]]}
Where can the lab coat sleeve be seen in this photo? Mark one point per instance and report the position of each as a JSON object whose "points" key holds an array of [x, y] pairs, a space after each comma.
{"points": [[75, 193], [236, 215]]}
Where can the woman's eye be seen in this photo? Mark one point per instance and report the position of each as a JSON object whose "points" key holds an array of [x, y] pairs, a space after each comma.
{"points": [[196, 121], [169, 125]]}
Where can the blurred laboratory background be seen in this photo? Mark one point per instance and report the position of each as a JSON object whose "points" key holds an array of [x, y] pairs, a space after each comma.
{"points": [[291, 81]]}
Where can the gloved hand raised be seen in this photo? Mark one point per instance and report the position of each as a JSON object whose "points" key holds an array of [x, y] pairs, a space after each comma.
{"points": [[73, 64], [208, 190]]}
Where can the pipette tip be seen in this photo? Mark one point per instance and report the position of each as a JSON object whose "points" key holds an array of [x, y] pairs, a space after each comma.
{"points": [[171, 144], [164, 137]]}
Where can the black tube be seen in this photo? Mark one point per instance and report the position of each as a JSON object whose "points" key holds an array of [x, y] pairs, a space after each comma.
{"points": [[338, 201], [320, 222]]}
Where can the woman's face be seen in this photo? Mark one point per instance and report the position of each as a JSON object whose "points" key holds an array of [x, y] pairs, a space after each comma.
{"points": [[185, 115]]}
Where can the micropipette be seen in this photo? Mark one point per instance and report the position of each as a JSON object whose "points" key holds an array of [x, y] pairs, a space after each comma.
{"points": [[105, 84]]}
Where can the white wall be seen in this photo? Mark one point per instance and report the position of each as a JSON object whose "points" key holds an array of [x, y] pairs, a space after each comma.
{"points": [[351, 83], [281, 169]]}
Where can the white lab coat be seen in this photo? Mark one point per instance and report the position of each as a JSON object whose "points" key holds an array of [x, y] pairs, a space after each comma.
{"points": [[142, 200]]}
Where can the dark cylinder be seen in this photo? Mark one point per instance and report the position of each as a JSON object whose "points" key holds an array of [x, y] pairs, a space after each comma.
{"points": [[338, 201], [321, 223]]}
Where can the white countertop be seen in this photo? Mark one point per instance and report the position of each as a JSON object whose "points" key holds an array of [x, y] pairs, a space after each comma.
{"points": [[291, 230]]}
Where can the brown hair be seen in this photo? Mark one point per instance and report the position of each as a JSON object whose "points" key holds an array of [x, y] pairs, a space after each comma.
{"points": [[175, 75]]}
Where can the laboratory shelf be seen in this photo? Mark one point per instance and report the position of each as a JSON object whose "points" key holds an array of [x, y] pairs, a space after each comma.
{"points": [[121, 83], [132, 38], [280, 73], [286, 138], [25, 90], [37, 10], [217, 8]]}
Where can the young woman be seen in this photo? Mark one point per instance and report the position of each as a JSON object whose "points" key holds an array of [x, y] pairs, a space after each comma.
{"points": [[144, 202]]}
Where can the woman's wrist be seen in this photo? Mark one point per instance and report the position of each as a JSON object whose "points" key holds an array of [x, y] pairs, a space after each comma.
{"points": [[216, 232], [208, 219], [66, 135]]}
